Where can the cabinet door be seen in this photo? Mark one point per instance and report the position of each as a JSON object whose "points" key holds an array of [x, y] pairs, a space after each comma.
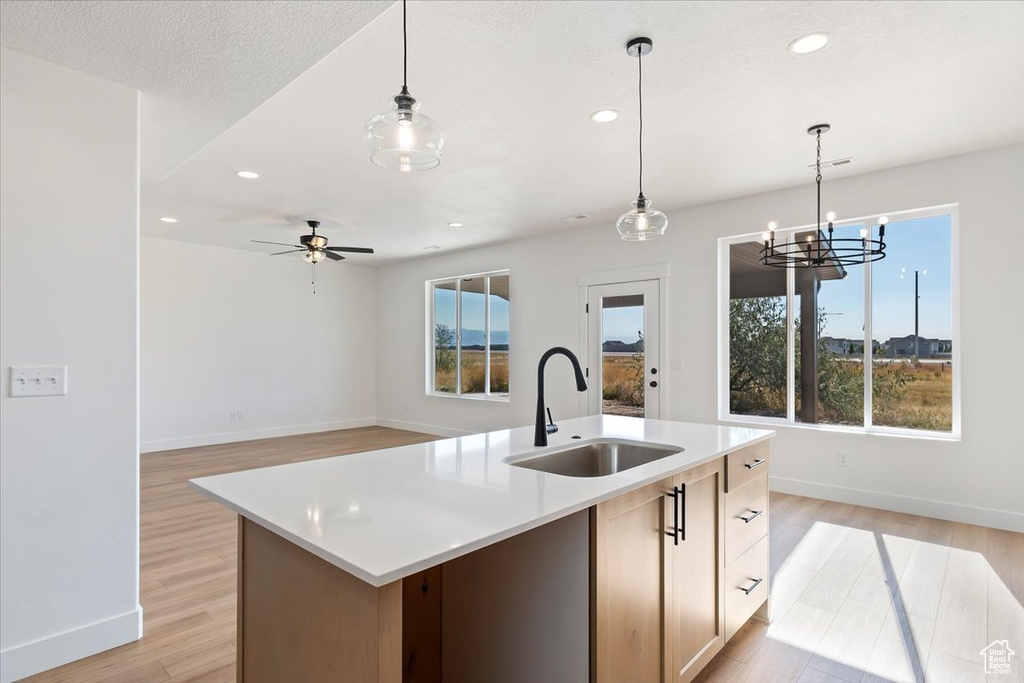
{"points": [[629, 547], [695, 610]]}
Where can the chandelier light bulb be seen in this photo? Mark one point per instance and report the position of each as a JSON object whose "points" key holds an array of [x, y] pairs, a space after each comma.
{"points": [[830, 216], [863, 233], [884, 220], [772, 225], [765, 237]]}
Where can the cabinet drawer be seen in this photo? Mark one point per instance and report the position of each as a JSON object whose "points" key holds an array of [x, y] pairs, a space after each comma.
{"points": [[742, 596], [743, 465], [746, 517]]}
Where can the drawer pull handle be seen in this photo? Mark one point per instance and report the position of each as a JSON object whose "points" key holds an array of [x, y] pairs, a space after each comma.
{"points": [[751, 517], [757, 463], [757, 582]]}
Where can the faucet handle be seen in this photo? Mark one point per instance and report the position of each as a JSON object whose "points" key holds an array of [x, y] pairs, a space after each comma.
{"points": [[551, 427]]}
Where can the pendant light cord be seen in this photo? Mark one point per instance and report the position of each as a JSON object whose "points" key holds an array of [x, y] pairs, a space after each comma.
{"points": [[405, 52], [640, 96]]}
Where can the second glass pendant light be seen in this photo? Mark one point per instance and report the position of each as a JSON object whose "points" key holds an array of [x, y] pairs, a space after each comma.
{"points": [[642, 222]]}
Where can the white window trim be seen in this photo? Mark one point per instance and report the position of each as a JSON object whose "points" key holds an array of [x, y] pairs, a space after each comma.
{"points": [[953, 211], [429, 339]]}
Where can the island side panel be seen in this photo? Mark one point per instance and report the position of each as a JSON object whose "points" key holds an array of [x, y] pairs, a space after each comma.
{"points": [[421, 626], [303, 619], [518, 611]]}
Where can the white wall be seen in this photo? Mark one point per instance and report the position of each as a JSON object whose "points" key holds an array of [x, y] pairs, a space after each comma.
{"points": [[68, 296], [978, 479], [227, 330]]}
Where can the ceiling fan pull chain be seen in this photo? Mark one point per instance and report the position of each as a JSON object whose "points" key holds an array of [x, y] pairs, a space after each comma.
{"points": [[313, 281]]}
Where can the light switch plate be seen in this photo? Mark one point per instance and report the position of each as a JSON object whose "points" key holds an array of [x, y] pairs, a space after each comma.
{"points": [[39, 380]]}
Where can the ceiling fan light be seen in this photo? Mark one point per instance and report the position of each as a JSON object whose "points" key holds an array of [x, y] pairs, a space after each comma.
{"points": [[314, 256]]}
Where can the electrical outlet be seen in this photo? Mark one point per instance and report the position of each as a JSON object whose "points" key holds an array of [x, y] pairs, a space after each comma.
{"points": [[406, 407], [233, 416], [676, 363], [844, 459], [241, 415]]}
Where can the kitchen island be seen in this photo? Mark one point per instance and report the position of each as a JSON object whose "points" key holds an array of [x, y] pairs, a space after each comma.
{"points": [[457, 556]]}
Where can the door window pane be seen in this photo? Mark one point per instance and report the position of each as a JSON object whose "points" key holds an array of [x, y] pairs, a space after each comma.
{"points": [[473, 330], [757, 334], [912, 319], [622, 355], [498, 331]]}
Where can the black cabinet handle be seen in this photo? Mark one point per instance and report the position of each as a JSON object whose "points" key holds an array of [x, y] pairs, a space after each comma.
{"points": [[682, 507], [757, 582], [654, 383], [757, 463], [674, 495]]}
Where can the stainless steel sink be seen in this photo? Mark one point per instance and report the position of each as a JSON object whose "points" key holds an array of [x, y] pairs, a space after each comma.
{"points": [[598, 458]]}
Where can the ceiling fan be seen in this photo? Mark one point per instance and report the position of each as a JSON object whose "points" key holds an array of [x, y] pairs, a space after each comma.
{"points": [[315, 247]]}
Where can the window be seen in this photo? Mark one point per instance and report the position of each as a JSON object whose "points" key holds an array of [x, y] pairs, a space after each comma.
{"points": [[870, 347], [469, 333]]}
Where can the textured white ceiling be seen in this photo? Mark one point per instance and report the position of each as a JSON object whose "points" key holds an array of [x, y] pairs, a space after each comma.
{"points": [[200, 64], [512, 83]]}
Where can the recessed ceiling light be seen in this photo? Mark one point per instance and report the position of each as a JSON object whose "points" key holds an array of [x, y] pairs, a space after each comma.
{"points": [[248, 175], [812, 42], [168, 219], [604, 115], [455, 225]]}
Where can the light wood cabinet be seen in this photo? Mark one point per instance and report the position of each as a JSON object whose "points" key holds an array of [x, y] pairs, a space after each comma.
{"points": [[629, 545], [673, 574], [694, 609]]}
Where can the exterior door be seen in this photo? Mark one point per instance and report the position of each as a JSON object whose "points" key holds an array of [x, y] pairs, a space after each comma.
{"points": [[623, 363]]}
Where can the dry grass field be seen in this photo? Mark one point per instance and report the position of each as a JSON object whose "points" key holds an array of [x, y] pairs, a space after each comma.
{"points": [[926, 402], [473, 369]]}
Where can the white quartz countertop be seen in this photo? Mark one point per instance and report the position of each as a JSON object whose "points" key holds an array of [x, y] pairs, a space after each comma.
{"points": [[383, 515]]}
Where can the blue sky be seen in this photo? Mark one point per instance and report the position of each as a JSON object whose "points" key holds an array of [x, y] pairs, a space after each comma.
{"points": [[472, 313], [622, 324], [922, 244]]}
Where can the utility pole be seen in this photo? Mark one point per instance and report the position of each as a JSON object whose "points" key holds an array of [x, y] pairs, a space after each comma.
{"points": [[917, 336]]}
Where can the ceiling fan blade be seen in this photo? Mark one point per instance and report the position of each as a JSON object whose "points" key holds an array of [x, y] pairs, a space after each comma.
{"points": [[290, 251], [280, 244], [354, 250], [333, 256]]}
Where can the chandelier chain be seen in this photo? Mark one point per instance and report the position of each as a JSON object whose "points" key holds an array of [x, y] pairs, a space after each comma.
{"points": [[405, 52]]}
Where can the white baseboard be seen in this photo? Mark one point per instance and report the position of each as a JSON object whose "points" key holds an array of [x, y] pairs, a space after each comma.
{"points": [[53, 651], [232, 437], [954, 512], [423, 428]]}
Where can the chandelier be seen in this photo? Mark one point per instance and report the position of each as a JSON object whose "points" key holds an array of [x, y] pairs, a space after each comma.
{"points": [[818, 249]]}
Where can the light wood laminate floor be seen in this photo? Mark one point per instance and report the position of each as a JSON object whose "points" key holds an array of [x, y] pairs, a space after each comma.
{"points": [[188, 558], [859, 595]]}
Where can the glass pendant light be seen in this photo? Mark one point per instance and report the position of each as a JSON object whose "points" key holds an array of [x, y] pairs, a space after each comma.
{"points": [[642, 222], [402, 138]]}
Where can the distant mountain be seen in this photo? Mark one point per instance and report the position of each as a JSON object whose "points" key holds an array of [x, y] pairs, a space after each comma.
{"points": [[613, 346], [477, 338]]}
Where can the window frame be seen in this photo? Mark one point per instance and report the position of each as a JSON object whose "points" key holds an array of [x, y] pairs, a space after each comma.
{"points": [[724, 414], [430, 386]]}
